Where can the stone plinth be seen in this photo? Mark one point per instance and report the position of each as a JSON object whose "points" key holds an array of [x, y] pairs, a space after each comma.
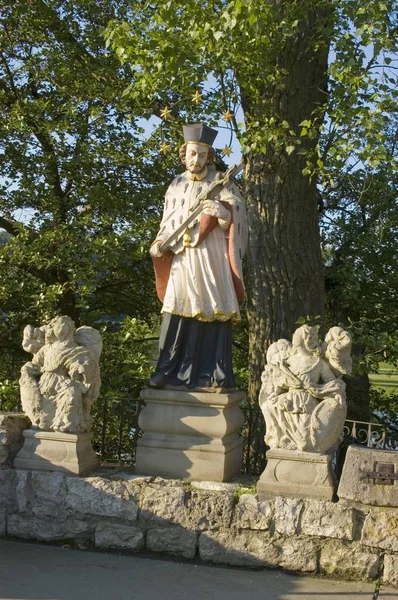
{"points": [[56, 451], [356, 485], [191, 435], [299, 474]]}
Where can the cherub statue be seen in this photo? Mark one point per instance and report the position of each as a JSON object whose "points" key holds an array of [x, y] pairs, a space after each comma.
{"points": [[60, 383], [303, 395]]}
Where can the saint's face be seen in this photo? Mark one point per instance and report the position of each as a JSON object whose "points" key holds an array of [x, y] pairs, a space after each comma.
{"points": [[196, 157]]}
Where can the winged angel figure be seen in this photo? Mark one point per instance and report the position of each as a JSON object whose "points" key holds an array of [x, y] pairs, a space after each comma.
{"points": [[61, 382], [303, 395]]}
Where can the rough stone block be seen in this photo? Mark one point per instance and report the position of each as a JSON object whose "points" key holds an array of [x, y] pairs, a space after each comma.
{"points": [[22, 491], [380, 530], [28, 527], [251, 513], [298, 554], [248, 548], [390, 575], [47, 492], [162, 505], [7, 486], [348, 560], [322, 518], [97, 496], [3, 529], [124, 537], [287, 515], [3, 452], [174, 540], [354, 485], [209, 510], [11, 440]]}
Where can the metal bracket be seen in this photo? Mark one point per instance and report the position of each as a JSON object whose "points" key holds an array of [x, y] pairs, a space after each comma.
{"points": [[382, 475]]}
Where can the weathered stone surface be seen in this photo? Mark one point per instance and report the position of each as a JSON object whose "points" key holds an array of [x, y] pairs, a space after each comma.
{"points": [[317, 426], [11, 439], [70, 453], [251, 513], [199, 510], [380, 530], [22, 491], [50, 396], [47, 492], [209, 510], [97, 496], [390, 575], [28, 527], [173, 539], [298, 475], [215, 486], [3, 454], [247, 548], [327, 519], [7, 485], [298, 554], [349, 561], [162, 505], [124, 537], [190, 435], [355, 486], [287, 515], [2, 521]]}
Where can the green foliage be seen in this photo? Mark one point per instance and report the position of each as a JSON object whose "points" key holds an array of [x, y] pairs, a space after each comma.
{"points": [[81, 183], [80, 189]]}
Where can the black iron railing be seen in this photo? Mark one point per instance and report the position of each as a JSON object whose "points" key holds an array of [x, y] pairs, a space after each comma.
{"points": [[116, 429]]}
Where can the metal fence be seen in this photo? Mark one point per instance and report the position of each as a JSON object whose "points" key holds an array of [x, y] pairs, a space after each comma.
{"points": [[372, 435], [116, 428]]}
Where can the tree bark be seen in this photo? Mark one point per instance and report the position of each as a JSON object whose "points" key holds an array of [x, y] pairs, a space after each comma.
{"points": [[285, 272]]}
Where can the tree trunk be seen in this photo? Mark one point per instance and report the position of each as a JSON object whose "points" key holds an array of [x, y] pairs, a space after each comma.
{"points": [[285, 272]]}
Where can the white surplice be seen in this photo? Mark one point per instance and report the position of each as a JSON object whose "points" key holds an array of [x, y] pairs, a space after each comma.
{"points": [[200, 283]]}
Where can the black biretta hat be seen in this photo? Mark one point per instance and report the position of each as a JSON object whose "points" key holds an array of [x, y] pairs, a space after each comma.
{"points": [[199, 134]]}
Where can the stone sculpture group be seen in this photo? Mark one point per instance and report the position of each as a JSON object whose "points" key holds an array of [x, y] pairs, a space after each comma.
{"points": [[303, 395], [61, 382], [197, 255]]}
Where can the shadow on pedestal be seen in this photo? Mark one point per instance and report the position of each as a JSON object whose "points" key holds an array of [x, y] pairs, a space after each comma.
{"points": [[190, 435], [56, 451], [298, 474]]}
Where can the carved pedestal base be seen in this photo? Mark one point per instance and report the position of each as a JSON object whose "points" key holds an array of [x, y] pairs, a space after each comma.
{"points": [[55, 451], [191, 435], [299, 474]]}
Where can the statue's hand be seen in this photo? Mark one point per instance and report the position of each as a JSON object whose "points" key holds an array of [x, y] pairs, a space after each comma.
{"points": [[155, 250], [214, 208]]}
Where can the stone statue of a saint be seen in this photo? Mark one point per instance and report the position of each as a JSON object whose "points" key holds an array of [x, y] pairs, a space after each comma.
{"points": [[303, 395], [61, 382], [203, 284]]}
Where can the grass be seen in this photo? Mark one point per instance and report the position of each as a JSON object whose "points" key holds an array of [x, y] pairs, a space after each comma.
{"points": [[386, 378]]}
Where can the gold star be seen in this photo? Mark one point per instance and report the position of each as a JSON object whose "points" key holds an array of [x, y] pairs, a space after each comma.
{"points": [[165, 113], [197, 98], [227, 150], [227, 116], [164, 148]]}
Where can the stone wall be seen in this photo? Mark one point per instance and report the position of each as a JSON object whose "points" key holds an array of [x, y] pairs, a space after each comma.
{"points": [[217, 522]]}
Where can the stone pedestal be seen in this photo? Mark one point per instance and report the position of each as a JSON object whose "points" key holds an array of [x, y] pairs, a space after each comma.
{"points": [[299, 474], [55, 451], [192, 435]]}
